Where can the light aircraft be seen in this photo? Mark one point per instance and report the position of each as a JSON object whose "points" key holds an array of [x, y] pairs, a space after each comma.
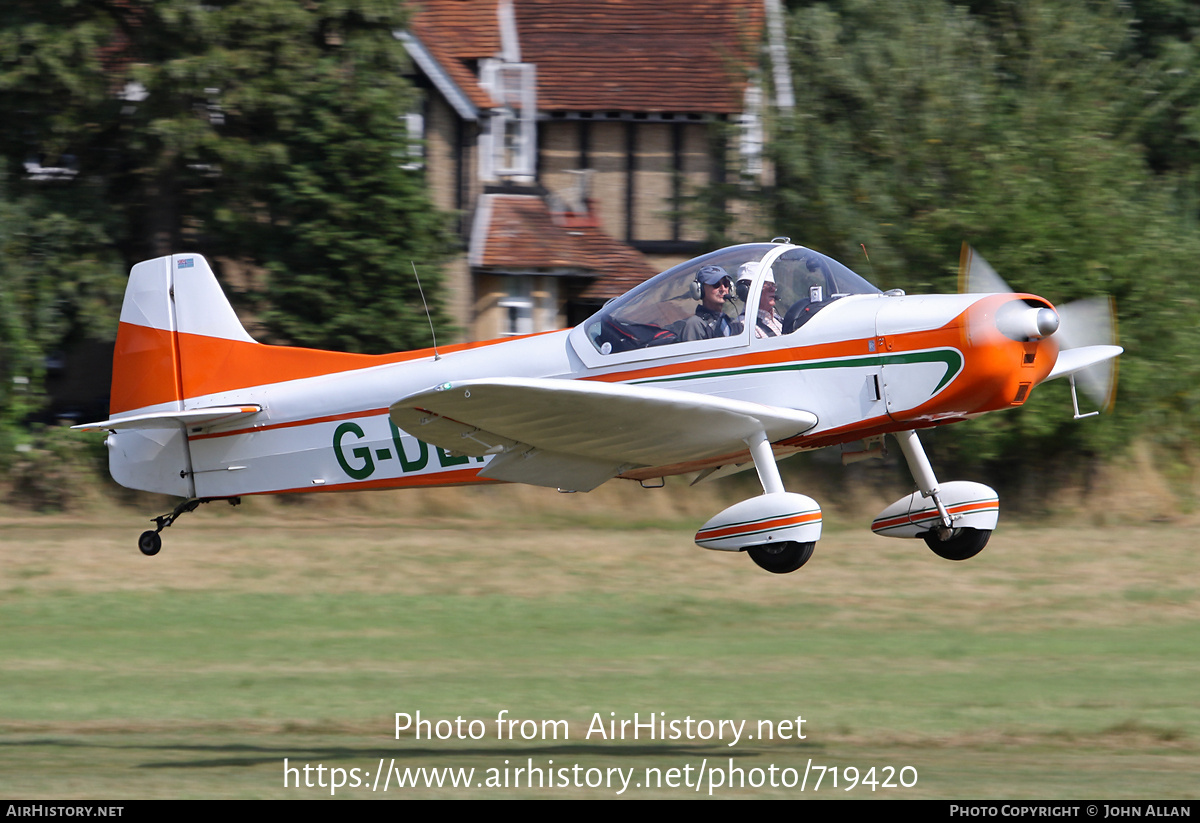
{"points": [[202, 411]]}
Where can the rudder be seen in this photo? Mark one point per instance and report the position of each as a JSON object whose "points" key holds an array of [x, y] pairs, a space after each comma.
{"points": [[165, 298]]}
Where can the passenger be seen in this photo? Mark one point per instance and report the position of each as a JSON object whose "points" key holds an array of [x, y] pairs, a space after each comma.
{"points": [[769, 323], [711, 287]]}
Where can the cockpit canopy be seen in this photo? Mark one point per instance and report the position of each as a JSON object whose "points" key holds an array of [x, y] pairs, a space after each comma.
{"points": [[654, 313]]}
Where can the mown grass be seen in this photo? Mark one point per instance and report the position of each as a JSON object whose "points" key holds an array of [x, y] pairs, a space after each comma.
{"points": [[1060, 663]]}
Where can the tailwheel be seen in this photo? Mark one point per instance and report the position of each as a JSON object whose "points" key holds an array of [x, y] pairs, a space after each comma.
{"points": [[960, 544], [150, 543], [782, 557]]}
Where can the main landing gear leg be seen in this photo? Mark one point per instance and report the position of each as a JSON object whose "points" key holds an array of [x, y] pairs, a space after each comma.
{"points": [[922, 472], [778, 556], [945, 540], [151, 541], [764, 462]]}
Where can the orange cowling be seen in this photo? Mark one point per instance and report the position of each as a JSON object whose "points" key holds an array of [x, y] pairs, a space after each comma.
{"points": [[998, 372]]}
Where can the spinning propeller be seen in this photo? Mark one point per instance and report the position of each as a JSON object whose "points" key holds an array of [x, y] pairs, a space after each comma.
{"points": [[1082, 329]]}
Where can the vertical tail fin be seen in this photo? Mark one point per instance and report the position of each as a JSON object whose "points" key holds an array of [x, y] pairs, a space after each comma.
{"points": [[184, 361], [166, 298]]}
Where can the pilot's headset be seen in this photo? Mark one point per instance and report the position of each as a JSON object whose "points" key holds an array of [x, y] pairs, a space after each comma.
{"points": [[746, 274], [707, 276]]}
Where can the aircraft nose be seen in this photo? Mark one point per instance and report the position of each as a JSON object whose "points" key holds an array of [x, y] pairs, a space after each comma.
{"points": [[1047, 322], [1020, 321]]}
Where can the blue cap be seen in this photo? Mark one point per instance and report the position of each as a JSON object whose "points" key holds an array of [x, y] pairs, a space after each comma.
{"points": [[711, 275]]}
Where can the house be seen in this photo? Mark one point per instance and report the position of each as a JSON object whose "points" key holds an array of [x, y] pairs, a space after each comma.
{"points": [[573, 138]]}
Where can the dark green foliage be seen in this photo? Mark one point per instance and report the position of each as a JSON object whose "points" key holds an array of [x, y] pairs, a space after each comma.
{"points": [[344, 224], [267, 131], [312, 184], [56, 468], [59, 283], [1012, 126]]}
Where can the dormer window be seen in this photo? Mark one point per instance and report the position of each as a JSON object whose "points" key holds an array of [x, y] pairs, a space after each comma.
{"points": [[510, 136]]}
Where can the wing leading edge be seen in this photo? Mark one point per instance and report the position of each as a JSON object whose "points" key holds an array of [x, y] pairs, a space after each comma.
{"points": [[575, 434]]}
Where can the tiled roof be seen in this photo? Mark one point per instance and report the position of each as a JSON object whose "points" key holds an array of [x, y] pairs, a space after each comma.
{"points": [[518, 232], [627, 55], [619, 267], [686, 56], [459, 33]]}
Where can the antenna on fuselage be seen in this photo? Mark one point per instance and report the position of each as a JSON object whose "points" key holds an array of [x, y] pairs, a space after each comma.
{"points": [[428, 316], [870, 265]]}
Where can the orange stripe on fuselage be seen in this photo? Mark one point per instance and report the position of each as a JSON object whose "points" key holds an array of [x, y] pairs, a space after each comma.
{"points": [[212, 364], [146, 370], [291, 424]]}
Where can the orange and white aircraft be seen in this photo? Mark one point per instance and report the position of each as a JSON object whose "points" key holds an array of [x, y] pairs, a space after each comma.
{"points": [[675, 376]]}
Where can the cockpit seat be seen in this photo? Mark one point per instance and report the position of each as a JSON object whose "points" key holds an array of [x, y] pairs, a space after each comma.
{"points": [[629, 336]]}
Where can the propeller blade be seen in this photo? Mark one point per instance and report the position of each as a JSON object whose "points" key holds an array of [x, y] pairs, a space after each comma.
{"points": [[1091, 322], [975, 276], [1081, 324]]}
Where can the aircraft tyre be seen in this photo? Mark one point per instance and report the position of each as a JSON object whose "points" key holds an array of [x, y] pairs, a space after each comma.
{"points": [[149, 543], [781, 558], [962, 544]]}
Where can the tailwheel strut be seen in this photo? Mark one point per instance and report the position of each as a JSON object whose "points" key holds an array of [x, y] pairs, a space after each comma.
{"points": [[150, 541]]}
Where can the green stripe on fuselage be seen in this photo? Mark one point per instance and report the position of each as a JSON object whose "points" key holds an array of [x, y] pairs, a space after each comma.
{"points": [[950, 357]]}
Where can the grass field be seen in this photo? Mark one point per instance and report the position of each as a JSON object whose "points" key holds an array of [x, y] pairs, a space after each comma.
{"points": [[1063, 662]]}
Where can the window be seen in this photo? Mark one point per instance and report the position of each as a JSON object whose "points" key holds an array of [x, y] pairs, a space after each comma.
{"points": [[414, 130], [510, 139], [518, 306]]}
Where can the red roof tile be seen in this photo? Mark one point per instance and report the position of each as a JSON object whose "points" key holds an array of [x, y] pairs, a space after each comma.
{"points": [[688, 56], [628, 55], [522, 234], [459, 33], [620, 267]]}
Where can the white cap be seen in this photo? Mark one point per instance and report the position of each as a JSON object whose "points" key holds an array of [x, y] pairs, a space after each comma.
{"points": [[748, 270]]}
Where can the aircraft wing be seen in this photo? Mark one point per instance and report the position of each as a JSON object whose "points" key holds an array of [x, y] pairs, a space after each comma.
{"points": [[575, 434], [1071, 361]]}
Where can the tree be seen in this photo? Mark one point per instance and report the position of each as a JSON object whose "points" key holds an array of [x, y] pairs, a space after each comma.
{"points": [[59, 283], [333, 215], [263, 130], [1009, 128]]}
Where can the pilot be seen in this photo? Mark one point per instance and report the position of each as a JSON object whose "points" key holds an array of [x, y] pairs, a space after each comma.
{"points": [[712, 288], [769, 323]]}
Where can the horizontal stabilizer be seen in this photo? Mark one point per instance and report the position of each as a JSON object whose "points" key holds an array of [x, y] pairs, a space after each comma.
{"points": [[162, 420]]}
